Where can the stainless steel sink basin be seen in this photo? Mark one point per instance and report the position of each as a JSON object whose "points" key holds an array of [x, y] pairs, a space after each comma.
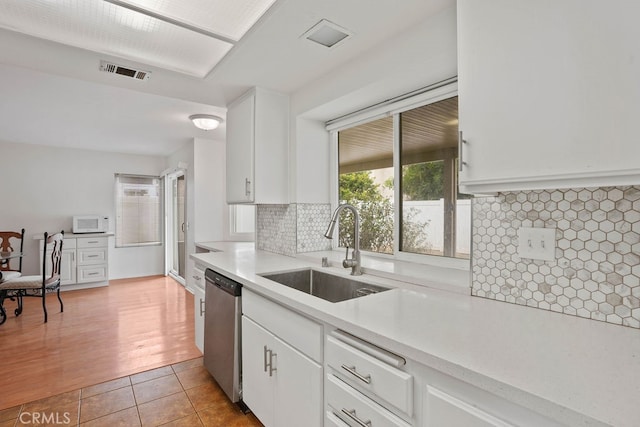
{"points": [[323, 285]]}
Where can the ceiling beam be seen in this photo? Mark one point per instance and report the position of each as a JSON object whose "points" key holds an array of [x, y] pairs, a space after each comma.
{"points": [[172, 21]]}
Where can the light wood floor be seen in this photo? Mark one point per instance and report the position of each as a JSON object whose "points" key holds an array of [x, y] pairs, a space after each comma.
{"points": [[128, 327]]}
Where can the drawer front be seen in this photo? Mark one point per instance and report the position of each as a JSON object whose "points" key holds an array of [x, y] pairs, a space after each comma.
{"points": [[296, 330], [92, 273], [348, 404], [92, 256], [92, 242], [369, 373]]}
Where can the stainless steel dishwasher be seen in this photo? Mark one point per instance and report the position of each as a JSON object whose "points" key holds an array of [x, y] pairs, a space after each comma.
{"points": [[222, 320]]}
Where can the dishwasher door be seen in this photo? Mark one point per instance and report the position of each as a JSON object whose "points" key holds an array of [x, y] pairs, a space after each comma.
{"points": [[222, 332]]}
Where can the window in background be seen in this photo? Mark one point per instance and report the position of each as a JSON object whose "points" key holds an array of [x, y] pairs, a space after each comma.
{"points": [[423, 211], [365, 154], [430, 204], [138, 210]]}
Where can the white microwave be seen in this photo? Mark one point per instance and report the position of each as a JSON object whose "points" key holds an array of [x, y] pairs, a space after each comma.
{"points": [[90, 224]]}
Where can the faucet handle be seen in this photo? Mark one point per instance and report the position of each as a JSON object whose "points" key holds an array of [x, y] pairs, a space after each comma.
{"points": [[346, 255]]}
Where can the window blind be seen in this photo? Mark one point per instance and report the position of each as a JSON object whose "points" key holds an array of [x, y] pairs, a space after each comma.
{"points": [[138, 210]]}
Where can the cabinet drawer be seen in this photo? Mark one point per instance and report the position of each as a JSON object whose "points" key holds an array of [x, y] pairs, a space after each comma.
{"points": [[342, 399], [296, 330], [92, 273], [368, 373], [92, 256], [92, 242]]}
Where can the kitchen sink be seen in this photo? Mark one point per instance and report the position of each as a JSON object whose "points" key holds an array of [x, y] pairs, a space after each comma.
{"points": [[323, 285]]}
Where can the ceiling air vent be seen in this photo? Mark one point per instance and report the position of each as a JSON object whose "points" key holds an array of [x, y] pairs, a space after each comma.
{"points": [[124, 71], [327, 34]]}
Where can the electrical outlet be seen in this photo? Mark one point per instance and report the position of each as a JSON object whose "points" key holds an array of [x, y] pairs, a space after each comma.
{"points": [[537, 243]]}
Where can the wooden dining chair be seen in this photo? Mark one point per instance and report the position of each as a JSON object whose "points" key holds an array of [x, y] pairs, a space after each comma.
{"points": [[11, 241], [37, 285]]}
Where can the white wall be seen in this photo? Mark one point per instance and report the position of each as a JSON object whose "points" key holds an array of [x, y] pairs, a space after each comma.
{"points": [[43, 187], [421, 56], [210, 216]]}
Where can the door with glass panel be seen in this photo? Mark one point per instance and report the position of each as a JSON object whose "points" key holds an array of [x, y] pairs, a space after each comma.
{"points": [[177, 226]]}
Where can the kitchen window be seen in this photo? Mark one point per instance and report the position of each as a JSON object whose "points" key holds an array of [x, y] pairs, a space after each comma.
{"points": [[399, 168], [138, 210]]}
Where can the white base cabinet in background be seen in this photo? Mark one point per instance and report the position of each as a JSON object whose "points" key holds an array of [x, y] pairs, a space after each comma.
{"points": [[85, 261], [92, 255], [280, 384]]}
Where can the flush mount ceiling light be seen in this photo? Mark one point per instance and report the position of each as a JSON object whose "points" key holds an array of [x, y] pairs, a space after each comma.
{"points": [[327, 34], [205, 121]]}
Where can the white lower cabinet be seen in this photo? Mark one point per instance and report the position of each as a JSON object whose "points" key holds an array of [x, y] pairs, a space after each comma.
{"points": [[85, 260], [443, 409], [365, 385], [354, 408], [447, 401], [198, 314], [197, 284], [368, 385], [281, 385]]}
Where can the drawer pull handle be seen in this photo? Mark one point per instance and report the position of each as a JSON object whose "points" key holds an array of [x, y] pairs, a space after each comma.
{"points": [[265, 357], [269, 364], [352, 371], [352, 415]]}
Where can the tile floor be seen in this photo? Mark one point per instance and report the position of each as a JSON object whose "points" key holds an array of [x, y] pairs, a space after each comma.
{"points": [[183, 394]]}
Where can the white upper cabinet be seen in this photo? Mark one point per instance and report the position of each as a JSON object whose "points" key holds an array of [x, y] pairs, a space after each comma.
{"points": [[549, 93], [258, 148]]}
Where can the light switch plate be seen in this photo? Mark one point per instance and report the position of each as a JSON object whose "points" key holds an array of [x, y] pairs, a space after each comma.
{"points": [[537, 243]]}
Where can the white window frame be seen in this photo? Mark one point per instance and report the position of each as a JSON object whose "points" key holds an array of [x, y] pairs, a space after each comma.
{"points": [[429, 95]]}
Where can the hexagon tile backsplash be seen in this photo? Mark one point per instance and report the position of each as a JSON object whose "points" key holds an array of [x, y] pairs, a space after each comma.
{"points": [[596, 273], [294, 228]]}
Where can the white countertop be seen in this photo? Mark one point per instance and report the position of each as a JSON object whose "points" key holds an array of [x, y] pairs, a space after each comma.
{"points": [[578, 371]]}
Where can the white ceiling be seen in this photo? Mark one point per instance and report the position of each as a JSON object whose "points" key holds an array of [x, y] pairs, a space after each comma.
{"points": [[54, 93]]}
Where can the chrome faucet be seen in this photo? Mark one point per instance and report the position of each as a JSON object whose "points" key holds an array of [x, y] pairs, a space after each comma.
{"points": [[354, 262]]}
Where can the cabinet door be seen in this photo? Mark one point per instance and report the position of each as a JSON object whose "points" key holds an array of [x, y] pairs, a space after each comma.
{"points": [[198, 312], [442, 409], [240, 150], [258, 389], [67, 267], [545, 99], [298, 388]]}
